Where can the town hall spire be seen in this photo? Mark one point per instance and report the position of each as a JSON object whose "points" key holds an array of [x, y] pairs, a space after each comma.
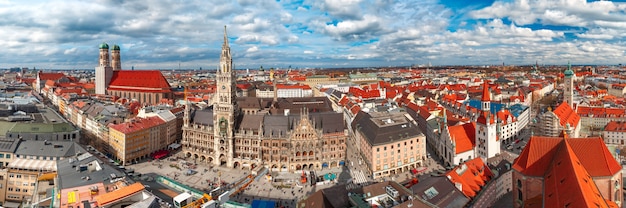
{"points": [[225, 110], [225, 37]]}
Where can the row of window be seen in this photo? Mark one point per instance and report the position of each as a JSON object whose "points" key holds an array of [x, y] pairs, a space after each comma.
{"points": [[17, 189], [405, 152], [398, 164], [149, 96], [17, 183], [399, 160], [398, 145], [14, 197], [65, 136], [36, 157]]}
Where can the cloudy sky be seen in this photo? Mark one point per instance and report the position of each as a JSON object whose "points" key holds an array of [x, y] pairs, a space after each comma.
{"points": [[163, 34]]}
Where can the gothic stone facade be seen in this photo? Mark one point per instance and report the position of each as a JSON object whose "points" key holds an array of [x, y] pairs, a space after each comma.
{"points": [[311, 137]]}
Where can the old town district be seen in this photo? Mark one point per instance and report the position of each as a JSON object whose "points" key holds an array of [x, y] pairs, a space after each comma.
{"points": [[536, 136]]}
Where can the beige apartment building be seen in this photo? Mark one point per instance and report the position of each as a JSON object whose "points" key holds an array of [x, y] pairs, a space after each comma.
{"points": [[18, 180], [137, 139], [390, 143]]}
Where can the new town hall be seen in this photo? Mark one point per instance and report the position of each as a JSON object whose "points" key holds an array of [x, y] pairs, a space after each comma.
{"points": [[283, 134]]}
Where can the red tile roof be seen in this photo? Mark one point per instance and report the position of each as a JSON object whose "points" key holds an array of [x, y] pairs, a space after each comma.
{"points": [[50, 83], [432, 105], [355, 109], [540, 152], [520, 98], [298, 78], [472, 175], [567, 115], [104, 199], [485, 117], [89, 86], [453, 87], [537, 155], [139, 80], [50, 76], [79, 91], [464, 136], [364, 94], [616, 126], [343, 100], [600, 112], [567, 167], [137, 124], [28, 80], [390, 94], [79, 104], [486, 96], [567, 183], [244, 86], [177, 110], [595, 156], [423, 112], [504, 115], [449, 97], [297, 86]]}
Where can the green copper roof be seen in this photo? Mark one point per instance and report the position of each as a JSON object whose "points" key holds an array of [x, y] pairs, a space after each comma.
{"points": [[104, 46], [42, 128], [116, 47], [569, 72]]}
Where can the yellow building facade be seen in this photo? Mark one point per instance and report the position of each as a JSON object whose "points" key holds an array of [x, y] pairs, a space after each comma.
{"points": [[137, 139]]}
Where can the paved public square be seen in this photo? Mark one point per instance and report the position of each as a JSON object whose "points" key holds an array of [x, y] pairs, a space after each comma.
{"points": [[207, 177]]}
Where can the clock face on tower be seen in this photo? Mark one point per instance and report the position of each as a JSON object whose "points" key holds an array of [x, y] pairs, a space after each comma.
{"points": [[223, 87]]}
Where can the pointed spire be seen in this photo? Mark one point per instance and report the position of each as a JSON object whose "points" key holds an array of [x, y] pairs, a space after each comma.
{"points": [[569, 65], [486, 95], [225, 36]]}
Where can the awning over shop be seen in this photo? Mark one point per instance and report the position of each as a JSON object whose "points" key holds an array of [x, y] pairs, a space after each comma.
{"points": [[47, 176], [160, 154], [174, 146]]}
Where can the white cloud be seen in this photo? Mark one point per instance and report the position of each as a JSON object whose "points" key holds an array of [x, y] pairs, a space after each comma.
{"points": [[349, 9], [556, 17], [564, 12], [286, 17], [252, 49], [354, 29], [70, 51], [161, 33], [243, 18]]}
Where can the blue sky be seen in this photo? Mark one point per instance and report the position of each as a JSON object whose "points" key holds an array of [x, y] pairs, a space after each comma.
{"points": [[161, 34]]}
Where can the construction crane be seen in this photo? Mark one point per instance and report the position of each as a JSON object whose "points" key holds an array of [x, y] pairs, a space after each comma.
{"points": [[241, 185], [198, 203]]}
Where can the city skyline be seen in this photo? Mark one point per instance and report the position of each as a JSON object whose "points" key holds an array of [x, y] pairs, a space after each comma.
{"points": [[331, 33]]}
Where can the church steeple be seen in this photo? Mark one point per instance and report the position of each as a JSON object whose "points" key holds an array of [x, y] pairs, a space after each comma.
{"points": [[568, 92], [486, 99]]}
